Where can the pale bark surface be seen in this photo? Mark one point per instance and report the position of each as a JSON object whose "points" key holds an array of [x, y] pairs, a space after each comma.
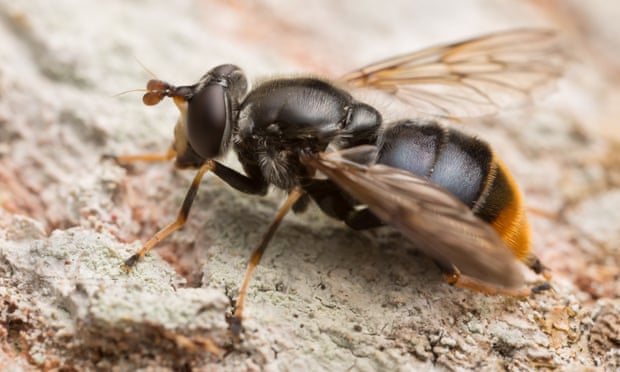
{"points": [[324, 297]]}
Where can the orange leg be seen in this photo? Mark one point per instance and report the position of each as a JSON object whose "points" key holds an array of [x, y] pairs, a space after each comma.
{"points": [[180, 220], [293, 196], [543, 213], [462, 281], [151, 158], [536, 266]]}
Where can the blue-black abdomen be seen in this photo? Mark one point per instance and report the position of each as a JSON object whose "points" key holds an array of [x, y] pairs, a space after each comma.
{"points": [[457, 162]]}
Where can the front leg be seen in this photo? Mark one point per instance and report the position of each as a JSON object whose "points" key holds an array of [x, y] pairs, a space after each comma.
{"points": [[178, 222], [185, 159], [150, 158], [249, 185], [189, 159], [235, 179]]}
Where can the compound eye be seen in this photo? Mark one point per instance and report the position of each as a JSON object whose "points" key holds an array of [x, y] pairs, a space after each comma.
{"points": [[207, 118]]}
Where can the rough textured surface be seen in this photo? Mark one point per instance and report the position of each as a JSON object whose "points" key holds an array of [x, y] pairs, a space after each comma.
{"points": [[324, 297]]}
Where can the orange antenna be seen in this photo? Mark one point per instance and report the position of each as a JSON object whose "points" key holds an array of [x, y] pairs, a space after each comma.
{"points": [[148, 71], [156, 89], [129, 91]]}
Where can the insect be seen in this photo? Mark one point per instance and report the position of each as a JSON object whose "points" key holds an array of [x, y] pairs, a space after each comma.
{"points": [[443, 189]]}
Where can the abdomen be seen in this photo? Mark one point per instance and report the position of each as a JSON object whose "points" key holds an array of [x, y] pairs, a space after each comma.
{"points": [[466, 167]]}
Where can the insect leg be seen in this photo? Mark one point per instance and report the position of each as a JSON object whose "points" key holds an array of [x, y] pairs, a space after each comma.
{"points": [[363, 219], [537, 266], [293, 196], [454, 277], [180, 220], [335, 203], [544, 213], [152, 158], [254, 185]]}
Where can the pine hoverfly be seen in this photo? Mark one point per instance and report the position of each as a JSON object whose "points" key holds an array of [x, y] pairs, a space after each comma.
{"points": [[443, 189]]}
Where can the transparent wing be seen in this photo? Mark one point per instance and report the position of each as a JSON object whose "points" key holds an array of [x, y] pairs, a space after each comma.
{"points": [[437, 222], [469, 78]]}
